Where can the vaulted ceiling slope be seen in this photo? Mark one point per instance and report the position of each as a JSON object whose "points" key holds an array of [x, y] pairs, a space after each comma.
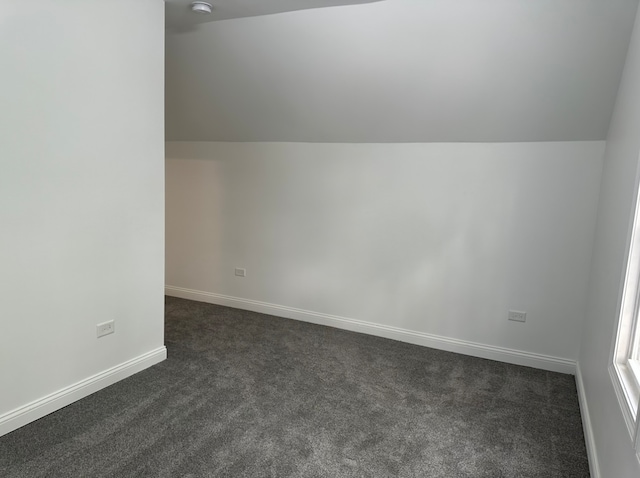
{"points": [[402, 71], [178, 15]]}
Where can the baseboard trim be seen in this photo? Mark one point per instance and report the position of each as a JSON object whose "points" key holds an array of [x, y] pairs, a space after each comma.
{"points": [[39, 408], [592, 454], [517, 357]]}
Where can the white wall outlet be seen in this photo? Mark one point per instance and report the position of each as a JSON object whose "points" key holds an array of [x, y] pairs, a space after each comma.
{"points": [[241, 272], [518, 315], [106, 328]]}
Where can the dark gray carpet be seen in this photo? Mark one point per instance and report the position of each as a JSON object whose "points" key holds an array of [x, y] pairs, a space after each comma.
{"points": [[249, 395]]}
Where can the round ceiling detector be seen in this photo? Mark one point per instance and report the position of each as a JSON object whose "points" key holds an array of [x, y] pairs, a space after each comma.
{"points": [[201, 7]]}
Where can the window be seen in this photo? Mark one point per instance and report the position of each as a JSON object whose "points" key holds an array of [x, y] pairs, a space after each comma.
{"points": [[625, 367]]}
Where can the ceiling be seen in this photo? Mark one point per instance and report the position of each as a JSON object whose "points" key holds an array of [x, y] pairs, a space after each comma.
{"points": [[178, 14], [402, 71]]}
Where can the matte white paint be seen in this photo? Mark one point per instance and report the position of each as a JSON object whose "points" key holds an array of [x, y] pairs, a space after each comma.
{"points": [[616, 456], [402, 71], [81, 192], [441, 239], [180, 17]]}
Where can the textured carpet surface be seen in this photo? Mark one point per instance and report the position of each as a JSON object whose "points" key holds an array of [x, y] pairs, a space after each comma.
{"points": [[248, 395]]}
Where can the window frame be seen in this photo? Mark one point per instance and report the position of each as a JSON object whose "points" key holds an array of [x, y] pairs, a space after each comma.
{"points": [[624, 368]]}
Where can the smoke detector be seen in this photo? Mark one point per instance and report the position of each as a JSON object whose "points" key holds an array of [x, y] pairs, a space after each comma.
{"points": [[201, 7]]}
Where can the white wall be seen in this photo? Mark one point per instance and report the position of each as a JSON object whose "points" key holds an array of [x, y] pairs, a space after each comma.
{"points": [[437, 239], [612, 441], [81, 197], [402, 71]]}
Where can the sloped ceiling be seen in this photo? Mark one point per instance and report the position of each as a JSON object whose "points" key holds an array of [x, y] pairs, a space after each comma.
{"points": [[179, 17], [402, 71]]}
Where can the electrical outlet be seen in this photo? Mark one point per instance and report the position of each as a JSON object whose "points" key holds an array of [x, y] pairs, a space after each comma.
{"points": [[518, 315], [241, 272], [106, 328]]}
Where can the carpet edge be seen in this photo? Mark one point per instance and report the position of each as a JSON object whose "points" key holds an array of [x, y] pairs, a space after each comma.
{"points": [[491, 352], [41, 407]]}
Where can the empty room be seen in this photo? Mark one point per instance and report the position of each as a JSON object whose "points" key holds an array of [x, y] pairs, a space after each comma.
{"points": [[319, 238]]}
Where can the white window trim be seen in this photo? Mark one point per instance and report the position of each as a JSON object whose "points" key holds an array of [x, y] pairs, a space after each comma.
{"points": [[624, 368]]}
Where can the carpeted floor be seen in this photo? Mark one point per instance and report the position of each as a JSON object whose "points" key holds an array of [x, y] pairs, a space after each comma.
{"points": [[248, 395]]}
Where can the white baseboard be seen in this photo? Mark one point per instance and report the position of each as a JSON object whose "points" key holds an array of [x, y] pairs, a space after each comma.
{"points": [[517, 357], [594, 466], [55, 401]]}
